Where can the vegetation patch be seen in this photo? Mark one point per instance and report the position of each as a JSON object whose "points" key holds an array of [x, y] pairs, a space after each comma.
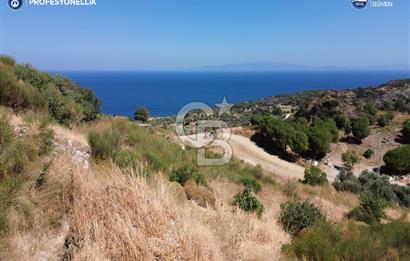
{"points": [[377, 185], [350, 241], [314, 176], [246, 201], [298, 214], [398, 160]]}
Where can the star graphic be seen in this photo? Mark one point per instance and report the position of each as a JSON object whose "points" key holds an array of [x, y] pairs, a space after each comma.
{"points": [[224, 107]]}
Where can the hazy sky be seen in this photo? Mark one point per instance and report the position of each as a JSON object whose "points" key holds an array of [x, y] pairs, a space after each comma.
{"points": [[175, 34]]}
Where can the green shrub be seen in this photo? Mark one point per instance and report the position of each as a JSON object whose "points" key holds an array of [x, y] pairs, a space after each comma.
{"points": [[296, 215], [385, 119], [16, 94], [341, 121], [248, 202], [350, 241], [370, 108], [402, 194], [350, 158], [368, 153], [104, 144], [185, 173], [374, 183], [398, 160], [316, 244], [405, 132], [388, 105], [360, 128], [22, 87], [371, 209], [346, 181], [200, 179], [320, 139], [314, 176], [134, 137], [141, 114], [400, 105], [126, 160], [154, 161], [377, 184], [251, 183]]}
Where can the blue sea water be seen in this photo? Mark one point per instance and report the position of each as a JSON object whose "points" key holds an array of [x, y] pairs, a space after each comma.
{"points": [[164, 93]]}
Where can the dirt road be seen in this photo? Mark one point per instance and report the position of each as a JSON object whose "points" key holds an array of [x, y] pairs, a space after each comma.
{"points": [[245, 149]]}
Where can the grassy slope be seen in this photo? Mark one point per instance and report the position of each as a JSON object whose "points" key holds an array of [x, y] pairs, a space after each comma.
{"points": [[72, 204]]}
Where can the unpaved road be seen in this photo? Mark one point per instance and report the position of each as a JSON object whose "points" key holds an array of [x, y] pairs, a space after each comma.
{"points": [[245, 149]]}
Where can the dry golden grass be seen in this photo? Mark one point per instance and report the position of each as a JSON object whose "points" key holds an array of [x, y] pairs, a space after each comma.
{"points": [[117, 216], [36, 219], [333, 204], [105, 214]]}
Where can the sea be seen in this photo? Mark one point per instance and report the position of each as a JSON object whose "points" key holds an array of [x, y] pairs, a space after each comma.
{"points": [[164, 93]]}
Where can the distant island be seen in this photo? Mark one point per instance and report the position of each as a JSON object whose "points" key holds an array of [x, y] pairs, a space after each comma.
{"points": [[272, 66]]}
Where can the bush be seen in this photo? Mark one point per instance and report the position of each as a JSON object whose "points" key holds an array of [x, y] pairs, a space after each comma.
{"points": [[251, 183], [104, 144], [66, 102], [141, 114], [402, 194], [126, 160], [360, 128], [248, 202], [341, 121], [200, 179], [181, 175], [388, 105], [185, 173], [383, 120], [346, 181], [374, 183], [350, 158], [371, 209], [370, 108], [377, 184], [405, 132], [368, 153], [320, 139], [398, 160], [400, 105], [297, 215], [314, 176], [350, 241]]}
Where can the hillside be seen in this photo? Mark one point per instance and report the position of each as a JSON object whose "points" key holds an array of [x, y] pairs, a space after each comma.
{"points": [[80, 185], [24, 88], [316, 103]]}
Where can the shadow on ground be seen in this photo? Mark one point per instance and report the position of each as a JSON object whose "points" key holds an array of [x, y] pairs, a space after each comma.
{"points": [[269, 147]]}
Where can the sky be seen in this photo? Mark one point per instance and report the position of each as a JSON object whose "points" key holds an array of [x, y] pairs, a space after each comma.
{"points": [[183, 34]]}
